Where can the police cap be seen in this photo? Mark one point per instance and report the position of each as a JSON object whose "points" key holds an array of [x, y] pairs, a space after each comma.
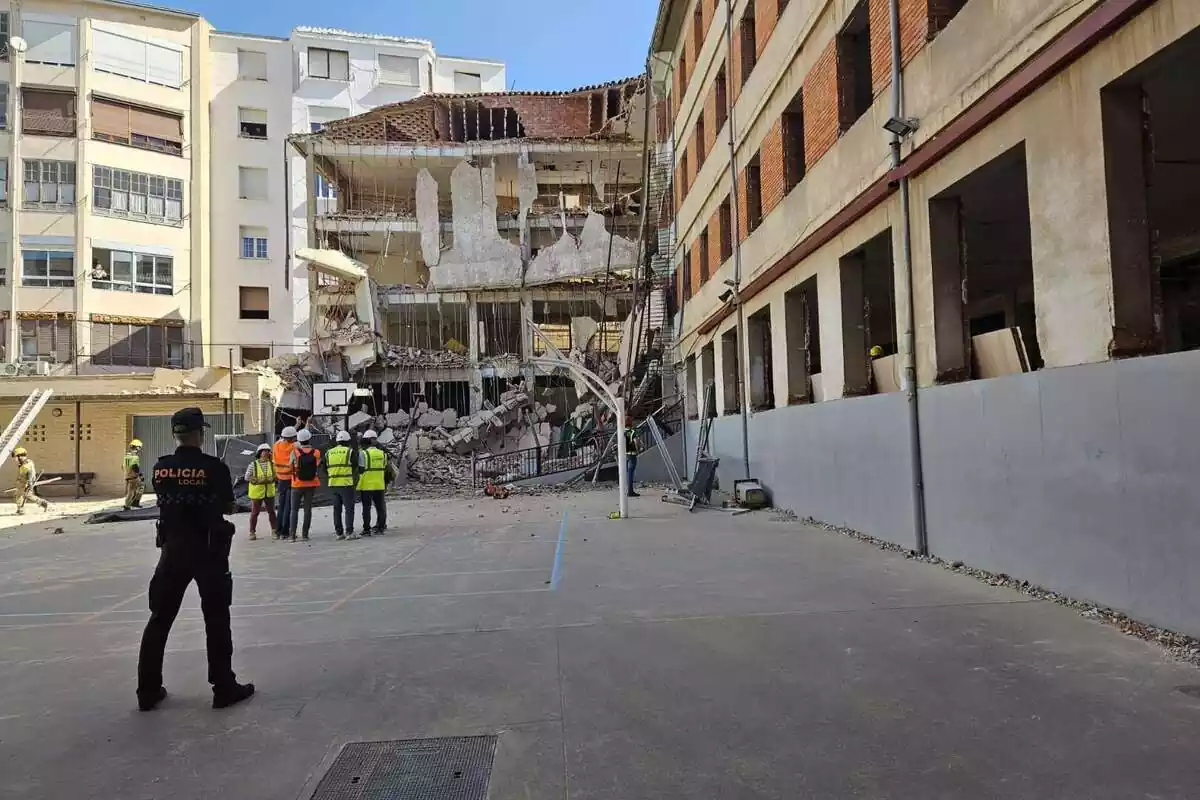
{"points": [[186, 420]]}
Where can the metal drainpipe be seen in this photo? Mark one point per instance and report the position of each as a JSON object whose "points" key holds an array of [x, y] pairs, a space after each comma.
{"points": [[908, 350], [743, 345]]}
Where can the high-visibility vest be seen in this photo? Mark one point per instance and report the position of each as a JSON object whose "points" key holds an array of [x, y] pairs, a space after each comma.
{"points": [[132, 460], [263, 485], [337, 462], [281, 454], [372, 478]]}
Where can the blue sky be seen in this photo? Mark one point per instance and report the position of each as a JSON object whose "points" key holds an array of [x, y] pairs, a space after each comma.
{"points": [[547, 44]]}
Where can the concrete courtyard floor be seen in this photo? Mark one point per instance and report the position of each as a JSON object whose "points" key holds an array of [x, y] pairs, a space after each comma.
{"points": [[669, 656]]}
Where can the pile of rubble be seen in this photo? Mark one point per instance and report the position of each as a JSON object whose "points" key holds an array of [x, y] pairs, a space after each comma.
{"points": [[416, 357]]}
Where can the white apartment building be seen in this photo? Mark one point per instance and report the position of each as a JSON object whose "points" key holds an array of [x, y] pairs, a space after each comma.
{"points": [[104, 146], [260, 212]]}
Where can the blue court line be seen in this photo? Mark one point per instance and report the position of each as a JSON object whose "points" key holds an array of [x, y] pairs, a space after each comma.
{"points": [[556, 572]]}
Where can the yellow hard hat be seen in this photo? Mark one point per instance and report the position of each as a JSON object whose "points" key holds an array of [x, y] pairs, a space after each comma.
{"points": [[20, 451], [876, 351], [136, 443]]}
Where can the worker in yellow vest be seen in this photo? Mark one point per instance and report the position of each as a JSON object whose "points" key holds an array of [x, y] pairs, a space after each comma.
{"points": [[26, 490], [135, 484], [260, 477], [372, 484], [339, 470]]}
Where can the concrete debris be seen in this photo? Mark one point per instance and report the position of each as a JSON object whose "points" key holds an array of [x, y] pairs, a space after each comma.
{"points": [[386, 437], [397, 356], [358, 418]]}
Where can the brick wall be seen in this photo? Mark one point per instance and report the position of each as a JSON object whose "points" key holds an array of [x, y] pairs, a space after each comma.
{"points": [[711, 129], [821, 106], [773, 170], [714, 242], [915, 16], [766, 14], [709, 11], [695, 266], [735, 69], [107, 429], [742, 229]]}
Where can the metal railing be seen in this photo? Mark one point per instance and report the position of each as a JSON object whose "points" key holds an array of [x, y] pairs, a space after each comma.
{"points": [[534, 462]]}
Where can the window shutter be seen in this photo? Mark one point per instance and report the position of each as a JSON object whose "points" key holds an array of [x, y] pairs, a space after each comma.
{"points": [[399, 69], [252, 65], [49, 42], [120, 344], [48, 112], [45, 337], [119, 55], [252, 183], [164, 66], [139, 345], [254, 298], [254, 116], [155, 345], [339, 65], [102, 342], [156, 124], [110, 120]]}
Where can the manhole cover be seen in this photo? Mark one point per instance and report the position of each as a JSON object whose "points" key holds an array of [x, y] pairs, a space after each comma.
{"points": [[452, 768], [1190, 691]]}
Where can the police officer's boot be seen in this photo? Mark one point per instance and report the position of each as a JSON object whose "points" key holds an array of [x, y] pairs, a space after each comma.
{"points": [[232, 695], [149, 702]]}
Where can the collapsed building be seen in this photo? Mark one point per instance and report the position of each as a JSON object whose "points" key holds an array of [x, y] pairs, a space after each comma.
{"points": [[439, 225]]}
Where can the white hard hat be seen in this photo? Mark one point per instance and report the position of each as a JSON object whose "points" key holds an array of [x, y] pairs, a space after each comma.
{"points": [[370, 435], [288, 433], [304, 435], [262, 447], [343, 436]]}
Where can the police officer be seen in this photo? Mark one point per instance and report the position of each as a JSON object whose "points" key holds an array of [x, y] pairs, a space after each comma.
{"points": [[194, 490]]}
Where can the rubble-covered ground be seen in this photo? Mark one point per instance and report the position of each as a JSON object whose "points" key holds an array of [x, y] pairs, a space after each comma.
{"points": [[696, 655]]}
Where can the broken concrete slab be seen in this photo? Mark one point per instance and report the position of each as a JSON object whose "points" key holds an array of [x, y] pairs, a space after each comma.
{"points": [[429, 218], [359, 418], [480, 257], [386, 436]]}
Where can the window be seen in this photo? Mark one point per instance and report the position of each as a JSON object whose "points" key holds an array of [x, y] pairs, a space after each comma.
{"points": [[704, 271], [3, 105], [137, 345], [399, 70], [725, 226], [3, 181], [48, 340], [722, 90], [701, 142], [252, 123], [683, 175], [468, 82], [683, 73], [136, 126], [254, 302], [147, 198], [332, 65], [687, 274], [854, 68], [128, 271], [254, 242], [753, 194], [50, 268], [138, 59], [252, 355], [698, 25], [793, 142], [781, 6], [49, 42], [749, 43], [49, 183], [4, 34], [325, 188], [941, 13], [252, 65], [47, 113], [252, 183]]}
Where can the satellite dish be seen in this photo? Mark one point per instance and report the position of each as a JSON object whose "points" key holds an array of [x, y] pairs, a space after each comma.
{"points": [[18, 44]]}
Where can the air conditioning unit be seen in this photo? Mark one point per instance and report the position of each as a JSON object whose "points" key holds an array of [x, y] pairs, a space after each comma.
{"points": [[38, 368], [10, 370]]}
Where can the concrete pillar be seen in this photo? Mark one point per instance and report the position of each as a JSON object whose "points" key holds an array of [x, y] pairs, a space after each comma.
{"points": [[949, 272], [855, 363], [1123, 117], [474, 376], [779, 351], [528, 371]]}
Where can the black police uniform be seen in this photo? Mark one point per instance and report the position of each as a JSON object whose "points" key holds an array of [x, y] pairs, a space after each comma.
{"points": [[193, 491]]}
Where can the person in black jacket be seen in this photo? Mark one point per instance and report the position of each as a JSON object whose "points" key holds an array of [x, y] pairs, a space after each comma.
{"points": [[194, 491]]}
